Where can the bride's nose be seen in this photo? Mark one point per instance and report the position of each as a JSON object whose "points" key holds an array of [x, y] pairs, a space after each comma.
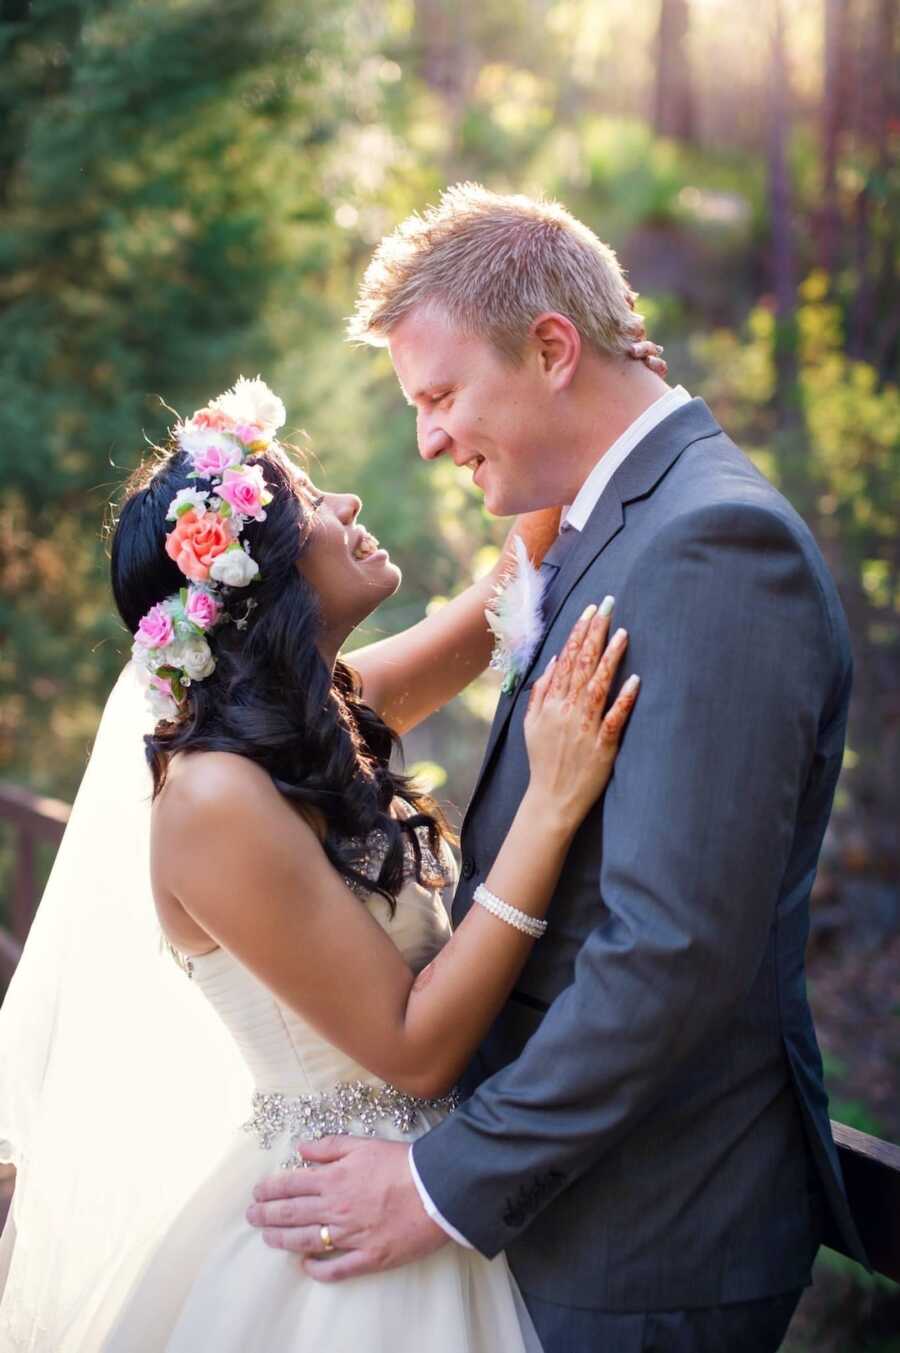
{"points": [[347, 507]]}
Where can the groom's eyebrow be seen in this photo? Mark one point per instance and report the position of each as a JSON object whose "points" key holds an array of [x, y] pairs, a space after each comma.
{"points": [[425, 390]]}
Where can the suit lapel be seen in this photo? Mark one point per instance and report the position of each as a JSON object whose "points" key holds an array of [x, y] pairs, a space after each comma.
{"points": [[637, 477], [584, 551], [603, 525]]}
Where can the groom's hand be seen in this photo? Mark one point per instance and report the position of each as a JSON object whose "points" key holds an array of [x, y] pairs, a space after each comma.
{"points": [[363, 1192]]}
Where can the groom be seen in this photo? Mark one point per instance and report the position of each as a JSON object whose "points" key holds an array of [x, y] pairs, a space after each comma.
{"points": [[647, 1133]]}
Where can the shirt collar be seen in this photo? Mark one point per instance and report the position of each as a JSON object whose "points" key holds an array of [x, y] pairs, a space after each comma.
{"points": [[576, 515]]}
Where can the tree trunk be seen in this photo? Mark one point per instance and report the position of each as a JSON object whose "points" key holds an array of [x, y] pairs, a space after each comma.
{"points": [[673, 113], [784, 284], [872, 330], [790, 438], [447, 62], [833, 117]]}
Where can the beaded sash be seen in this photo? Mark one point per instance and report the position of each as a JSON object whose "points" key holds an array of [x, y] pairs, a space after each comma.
{"points": [[350, 1107]]}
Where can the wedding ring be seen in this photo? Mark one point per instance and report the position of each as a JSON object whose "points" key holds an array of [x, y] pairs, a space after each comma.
{"points": [[327, 1242]]}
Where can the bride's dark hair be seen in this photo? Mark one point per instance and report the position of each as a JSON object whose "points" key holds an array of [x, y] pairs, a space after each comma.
{"points": [[272, 697]]}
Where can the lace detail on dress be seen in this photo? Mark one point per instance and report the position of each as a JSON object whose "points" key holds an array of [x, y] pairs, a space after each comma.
{"points": [[372, 849], [334, 1112], [184, 961]]}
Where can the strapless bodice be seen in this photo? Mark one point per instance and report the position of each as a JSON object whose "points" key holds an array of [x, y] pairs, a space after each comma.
{"points": [[284, 1053]]}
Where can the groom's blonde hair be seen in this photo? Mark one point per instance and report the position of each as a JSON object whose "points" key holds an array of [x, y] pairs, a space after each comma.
{"points": [[494, 262]]}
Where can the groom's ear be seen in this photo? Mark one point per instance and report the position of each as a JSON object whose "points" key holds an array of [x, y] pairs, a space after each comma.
{"points": [[558, 347]]}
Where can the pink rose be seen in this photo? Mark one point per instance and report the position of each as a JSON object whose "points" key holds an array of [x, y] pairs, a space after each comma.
{"points": [[249, 433], [202, 609], [155, 629], [246, 491], [213, 460]]}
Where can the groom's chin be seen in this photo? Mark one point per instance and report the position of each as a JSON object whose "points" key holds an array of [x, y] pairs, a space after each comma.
{"points": [[497, 500], [507, 501]]}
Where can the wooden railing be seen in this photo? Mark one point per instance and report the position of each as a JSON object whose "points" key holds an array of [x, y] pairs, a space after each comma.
{"points": [[35, 820], [871, 1167], [871, 1170]]}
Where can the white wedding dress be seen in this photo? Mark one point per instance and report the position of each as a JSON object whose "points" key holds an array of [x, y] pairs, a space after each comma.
{"points": [[213, 1285]]}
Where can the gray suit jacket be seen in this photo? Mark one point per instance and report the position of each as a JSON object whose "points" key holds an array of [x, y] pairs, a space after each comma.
{"points": [[648, 1127]]}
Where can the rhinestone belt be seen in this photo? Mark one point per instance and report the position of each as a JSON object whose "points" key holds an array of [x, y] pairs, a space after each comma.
{"points": [[335, 1112]]}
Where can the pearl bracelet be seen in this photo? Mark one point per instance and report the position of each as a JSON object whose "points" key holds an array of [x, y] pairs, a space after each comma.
{"points": [[514, 916]]}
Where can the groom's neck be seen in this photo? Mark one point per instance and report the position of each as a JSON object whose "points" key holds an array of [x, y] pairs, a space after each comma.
{"points": [[609, 394]]}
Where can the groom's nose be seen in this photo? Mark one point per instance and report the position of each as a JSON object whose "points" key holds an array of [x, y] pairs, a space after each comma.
{"points": [[433, 440]]}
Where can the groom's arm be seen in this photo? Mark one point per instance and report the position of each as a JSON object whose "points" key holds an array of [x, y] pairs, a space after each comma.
{"points": [[733, 639]]}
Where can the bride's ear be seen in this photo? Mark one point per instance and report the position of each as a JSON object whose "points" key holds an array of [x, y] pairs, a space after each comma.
{"points": [[558, 345]]}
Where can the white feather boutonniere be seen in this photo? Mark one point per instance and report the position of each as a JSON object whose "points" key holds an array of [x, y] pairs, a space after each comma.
{"points": [[515, 617]]}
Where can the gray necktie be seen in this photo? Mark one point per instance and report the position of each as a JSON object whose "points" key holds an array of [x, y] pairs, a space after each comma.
{"points": [[556, 555], [553, 562]]}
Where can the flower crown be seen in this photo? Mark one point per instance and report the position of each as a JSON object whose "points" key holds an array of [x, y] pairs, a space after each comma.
{"points": [[170, 646]]}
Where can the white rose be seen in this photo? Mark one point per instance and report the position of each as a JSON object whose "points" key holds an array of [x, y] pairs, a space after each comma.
{"points": [[194, 657], [195, 441], [186, 498], [251, 401], [162, 706], [234, 568]]}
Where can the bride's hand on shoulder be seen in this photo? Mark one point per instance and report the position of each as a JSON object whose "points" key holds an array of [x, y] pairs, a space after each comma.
{"points": [[571, 737]]}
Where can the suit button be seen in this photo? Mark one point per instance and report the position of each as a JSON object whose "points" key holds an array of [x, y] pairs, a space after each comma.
{"points": [[468, 867]]}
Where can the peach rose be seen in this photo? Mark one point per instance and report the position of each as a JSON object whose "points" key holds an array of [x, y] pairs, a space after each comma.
{"points": [[214, 419], [196, 541]]}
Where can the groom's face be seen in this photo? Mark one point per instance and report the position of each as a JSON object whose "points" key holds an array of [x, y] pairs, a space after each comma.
{"points": [[495, 420]]}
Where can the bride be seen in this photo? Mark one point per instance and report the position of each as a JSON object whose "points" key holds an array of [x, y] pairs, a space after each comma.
{"points": [[296, 879]]}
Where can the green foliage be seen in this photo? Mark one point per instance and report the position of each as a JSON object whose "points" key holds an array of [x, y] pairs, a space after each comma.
{"points": [[188, 191], [854, 429], [148, 224], [850, 468]]}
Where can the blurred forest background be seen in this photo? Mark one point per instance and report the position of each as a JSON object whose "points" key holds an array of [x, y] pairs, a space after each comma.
{"points": [[190, 190]]}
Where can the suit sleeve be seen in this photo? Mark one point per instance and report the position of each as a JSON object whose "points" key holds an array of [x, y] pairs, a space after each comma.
{"points": [[732, 637]]}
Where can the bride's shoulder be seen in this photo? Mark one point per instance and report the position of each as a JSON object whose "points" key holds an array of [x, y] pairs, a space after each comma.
{"points": [[201, 784]]}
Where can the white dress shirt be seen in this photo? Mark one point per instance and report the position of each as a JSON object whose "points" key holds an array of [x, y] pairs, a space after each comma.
{"points": [[588, 496], [575, 517]]}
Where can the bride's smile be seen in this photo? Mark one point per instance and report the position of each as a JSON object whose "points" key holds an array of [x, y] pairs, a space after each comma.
{"points": [[350, 570]]}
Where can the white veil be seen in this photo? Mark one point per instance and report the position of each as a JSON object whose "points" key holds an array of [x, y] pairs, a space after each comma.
{"points": [[119, 1089]]}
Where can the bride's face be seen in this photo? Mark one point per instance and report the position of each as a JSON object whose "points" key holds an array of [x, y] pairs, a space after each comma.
{"points": [[341, 560]]}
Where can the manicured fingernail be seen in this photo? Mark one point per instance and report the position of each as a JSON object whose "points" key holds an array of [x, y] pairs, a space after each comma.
{"points": [[550, 664], [619, 635], [588, 612], [631, 685], [606, 606]]}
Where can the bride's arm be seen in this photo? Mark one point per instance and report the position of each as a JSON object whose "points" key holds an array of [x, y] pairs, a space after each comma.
{"points": [[263, 888], [410, 675]]}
